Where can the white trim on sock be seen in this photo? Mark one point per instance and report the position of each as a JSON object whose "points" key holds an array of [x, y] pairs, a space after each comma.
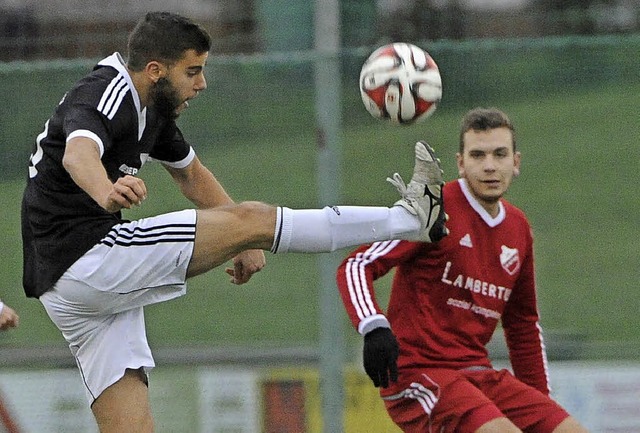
{"points": [[283, 229]]}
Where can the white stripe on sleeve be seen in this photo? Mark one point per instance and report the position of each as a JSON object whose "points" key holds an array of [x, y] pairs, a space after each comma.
{"points": [[355, 271]]}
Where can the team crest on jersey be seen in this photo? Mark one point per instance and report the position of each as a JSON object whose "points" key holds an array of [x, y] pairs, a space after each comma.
{"points": [[510, 259], [466, 241]]}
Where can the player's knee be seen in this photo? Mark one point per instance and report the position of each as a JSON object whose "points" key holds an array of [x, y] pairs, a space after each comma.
{"points": [[256, 213], [254, 207]]}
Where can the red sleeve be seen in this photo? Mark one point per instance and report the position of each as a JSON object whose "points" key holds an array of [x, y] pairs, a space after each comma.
{"points": [[521, 323], [356, 274]]}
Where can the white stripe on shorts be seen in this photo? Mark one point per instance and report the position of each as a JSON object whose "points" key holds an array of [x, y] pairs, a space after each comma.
{"points": [[137, 255], [420, 393], [137, 235]]}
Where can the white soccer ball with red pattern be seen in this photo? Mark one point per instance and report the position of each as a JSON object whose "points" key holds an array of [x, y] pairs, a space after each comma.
{"points": [[401, 83]]}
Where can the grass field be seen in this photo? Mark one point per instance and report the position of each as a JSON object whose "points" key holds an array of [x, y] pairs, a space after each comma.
{"points": [[580, 171]]}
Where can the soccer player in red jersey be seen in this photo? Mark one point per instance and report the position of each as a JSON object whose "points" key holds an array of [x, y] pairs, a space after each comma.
{"points": [[428, 353]]}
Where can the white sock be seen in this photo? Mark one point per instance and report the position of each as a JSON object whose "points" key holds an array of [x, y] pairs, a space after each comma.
{"points": [[332, 228]]}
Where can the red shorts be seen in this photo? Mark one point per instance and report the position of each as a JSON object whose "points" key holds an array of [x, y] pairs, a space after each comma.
{"points": [[460, 401]]}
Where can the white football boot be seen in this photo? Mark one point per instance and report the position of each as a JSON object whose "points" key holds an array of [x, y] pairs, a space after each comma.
{"points": [[423, 195]]}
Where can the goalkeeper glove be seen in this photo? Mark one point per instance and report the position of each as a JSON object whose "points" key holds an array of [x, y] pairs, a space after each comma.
{"points": [[379, 356]]}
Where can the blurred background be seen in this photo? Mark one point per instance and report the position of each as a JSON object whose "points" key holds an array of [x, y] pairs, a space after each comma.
{"points": [[36, 30], [282, 122]]}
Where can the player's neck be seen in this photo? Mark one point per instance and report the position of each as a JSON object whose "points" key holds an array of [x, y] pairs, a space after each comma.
{"points": [[493, 208], [141, 82]]}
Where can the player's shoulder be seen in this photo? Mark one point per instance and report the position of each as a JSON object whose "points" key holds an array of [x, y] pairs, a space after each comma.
{"points": [[514, 212], [451, 186], [95, 82], [104, 88]]}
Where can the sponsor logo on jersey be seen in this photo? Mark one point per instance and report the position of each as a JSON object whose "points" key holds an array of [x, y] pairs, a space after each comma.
{"points": [[128, 170], [481, 311], [475, 285], [510, 260]]}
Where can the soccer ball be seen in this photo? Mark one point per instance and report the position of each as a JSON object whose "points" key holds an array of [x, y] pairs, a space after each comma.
{"points": [[401, 83]]}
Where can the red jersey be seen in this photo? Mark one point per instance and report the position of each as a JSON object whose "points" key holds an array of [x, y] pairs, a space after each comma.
{"points": [[447, 298]]}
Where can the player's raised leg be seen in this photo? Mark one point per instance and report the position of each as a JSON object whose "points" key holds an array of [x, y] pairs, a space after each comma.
{"points": [[223, 232], [417, 216]]}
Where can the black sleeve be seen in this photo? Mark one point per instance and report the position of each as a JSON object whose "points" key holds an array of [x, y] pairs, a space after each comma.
{"points": [[171, 146]]}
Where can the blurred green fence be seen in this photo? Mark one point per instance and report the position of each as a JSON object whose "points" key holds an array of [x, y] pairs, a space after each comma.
{"points": [[575, 102]]}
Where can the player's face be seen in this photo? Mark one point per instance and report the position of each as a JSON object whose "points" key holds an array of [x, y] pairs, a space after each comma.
{"points": [[183, 81], [488, 164]]}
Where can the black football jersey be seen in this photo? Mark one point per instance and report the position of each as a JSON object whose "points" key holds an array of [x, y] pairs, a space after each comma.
{"points": [[60, 222]]}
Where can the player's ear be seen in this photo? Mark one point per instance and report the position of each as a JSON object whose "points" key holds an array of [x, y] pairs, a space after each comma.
{"points": [[516, 164], [155, 70], [460, 164]]}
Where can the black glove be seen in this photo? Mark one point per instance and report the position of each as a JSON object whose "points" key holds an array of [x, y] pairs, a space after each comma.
{"points": [[379, 356]]}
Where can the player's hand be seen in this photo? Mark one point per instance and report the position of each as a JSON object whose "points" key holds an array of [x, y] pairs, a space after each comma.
{"points": [[126, 192], [245, 265], [380, 356], [8, 318]]}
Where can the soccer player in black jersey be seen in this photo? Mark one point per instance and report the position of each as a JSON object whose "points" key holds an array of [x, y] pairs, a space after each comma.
{"points": [[94, 271]]}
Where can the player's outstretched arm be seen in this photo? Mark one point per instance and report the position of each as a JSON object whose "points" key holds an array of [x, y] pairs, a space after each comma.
{"points": [[355, 278], [199, 185]]}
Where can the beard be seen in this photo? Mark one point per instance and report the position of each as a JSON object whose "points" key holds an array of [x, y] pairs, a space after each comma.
{"points": [[165, 99]]}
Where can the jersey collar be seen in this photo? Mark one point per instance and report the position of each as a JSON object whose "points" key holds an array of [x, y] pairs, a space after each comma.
{"points": [[115, 61], [491, 221]]}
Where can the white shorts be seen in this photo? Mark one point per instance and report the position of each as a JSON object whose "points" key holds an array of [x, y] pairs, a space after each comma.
{"points": [[98, 302]]}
